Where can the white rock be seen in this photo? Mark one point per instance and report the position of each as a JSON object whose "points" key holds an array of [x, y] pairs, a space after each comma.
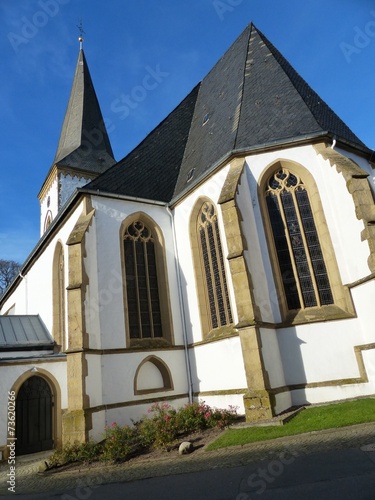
{"points": [[185, 448]]}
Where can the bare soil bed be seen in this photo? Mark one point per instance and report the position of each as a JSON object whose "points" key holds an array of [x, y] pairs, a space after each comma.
{"points": [[199, 439]]}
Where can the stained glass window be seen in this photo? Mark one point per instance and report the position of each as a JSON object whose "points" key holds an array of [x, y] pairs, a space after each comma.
{"points": [[213, 266], [144, 314], [300, 258]]}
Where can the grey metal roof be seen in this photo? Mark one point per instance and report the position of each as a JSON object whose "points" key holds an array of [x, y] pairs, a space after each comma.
{"points": [[84, 142], [23, 331], [251, 98]]}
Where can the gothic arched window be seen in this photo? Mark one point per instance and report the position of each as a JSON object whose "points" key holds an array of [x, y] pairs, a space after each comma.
{"points": [[212, 268], [299, 254], [146, 284]]}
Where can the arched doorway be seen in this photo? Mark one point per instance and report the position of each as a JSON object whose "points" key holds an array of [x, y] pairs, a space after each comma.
{"points": [[34, 405]]}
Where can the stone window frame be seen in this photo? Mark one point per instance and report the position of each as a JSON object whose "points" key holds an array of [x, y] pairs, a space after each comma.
{"points": [[208, 331], [167, 338], [342, 306]]}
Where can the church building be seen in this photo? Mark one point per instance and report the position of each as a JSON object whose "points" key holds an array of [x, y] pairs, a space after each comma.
{"points": [[230, 258]]}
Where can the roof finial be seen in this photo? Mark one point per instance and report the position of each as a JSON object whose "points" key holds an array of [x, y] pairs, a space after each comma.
{"points": [[80, 38]]}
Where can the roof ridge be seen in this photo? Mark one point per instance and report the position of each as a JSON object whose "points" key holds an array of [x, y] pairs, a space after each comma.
{"points": [[251, 26]]}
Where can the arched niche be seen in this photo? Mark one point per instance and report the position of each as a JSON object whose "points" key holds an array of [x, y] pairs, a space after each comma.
{"points": [[152, 375]]}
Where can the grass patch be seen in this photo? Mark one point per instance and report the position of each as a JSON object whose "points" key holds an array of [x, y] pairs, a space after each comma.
{"points": [[312, 419]]}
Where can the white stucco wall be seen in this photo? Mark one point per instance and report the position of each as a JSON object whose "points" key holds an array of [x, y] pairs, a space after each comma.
{"points": [[182, 215], [218, 366], [319, 352], [116, 387], [119, 372], [33, 295], [130, 414], [50, 202], [105, 297]]}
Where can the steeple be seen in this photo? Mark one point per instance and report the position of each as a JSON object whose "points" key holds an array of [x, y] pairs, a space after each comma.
{"points": [[84, 150], [84, 142]]}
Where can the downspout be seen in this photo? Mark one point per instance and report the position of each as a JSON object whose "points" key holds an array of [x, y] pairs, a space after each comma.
{"points": [[333, 143], [182, 309]]}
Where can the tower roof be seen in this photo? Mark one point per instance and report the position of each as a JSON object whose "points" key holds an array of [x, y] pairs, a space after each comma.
{"points": [[84, 142], [252, 98]]}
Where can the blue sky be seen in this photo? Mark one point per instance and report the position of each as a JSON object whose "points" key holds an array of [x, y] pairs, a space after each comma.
{"points": [[331, 43]]}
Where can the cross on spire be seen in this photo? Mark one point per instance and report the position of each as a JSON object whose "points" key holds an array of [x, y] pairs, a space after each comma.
{"points": [[80, 38]]}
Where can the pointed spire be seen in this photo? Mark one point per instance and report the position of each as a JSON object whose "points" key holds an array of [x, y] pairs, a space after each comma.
{"points": [[84, 143]]}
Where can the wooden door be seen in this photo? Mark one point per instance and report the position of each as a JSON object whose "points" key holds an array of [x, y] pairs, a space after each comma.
{"points": [[34, 417]]}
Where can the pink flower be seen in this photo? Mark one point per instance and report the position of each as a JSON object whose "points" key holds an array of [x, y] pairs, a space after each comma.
{"points": [[113, 424]]}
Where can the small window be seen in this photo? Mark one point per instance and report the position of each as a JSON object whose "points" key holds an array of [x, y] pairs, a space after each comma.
{"points": [[205, 119], [190, 175]]}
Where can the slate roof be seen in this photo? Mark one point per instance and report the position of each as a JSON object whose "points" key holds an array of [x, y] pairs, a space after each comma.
{"points": [[84, 142], [251, 98], [150, 171], [23, 332]]}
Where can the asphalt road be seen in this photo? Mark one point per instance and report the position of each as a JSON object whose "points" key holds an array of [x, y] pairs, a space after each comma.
{"points": [[347, 474]]}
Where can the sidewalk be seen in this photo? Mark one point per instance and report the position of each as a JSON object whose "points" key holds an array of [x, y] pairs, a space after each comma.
{"points": [[29, 480]]}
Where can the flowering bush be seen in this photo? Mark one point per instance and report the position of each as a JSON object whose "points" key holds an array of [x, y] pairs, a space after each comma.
{"points": [[165, 424], [160, 428], [196, 416]]}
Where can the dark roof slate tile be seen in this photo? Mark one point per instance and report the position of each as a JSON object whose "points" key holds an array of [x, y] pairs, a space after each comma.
{"points": [[151, 169]]}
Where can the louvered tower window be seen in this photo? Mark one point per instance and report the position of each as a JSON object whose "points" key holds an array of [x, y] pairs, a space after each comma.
{"points": [[213, 267], [300, 258], [142, 282]]}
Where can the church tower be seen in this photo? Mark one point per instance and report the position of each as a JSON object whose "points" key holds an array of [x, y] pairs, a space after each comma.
{"points": [[83, 151]]}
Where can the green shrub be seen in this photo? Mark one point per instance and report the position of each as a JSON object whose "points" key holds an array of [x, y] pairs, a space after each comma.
{"points": [[76, 452], [120, 443]]}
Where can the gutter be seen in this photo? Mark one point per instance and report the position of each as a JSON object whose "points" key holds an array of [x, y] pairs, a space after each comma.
{"points": [[135, 199]]}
